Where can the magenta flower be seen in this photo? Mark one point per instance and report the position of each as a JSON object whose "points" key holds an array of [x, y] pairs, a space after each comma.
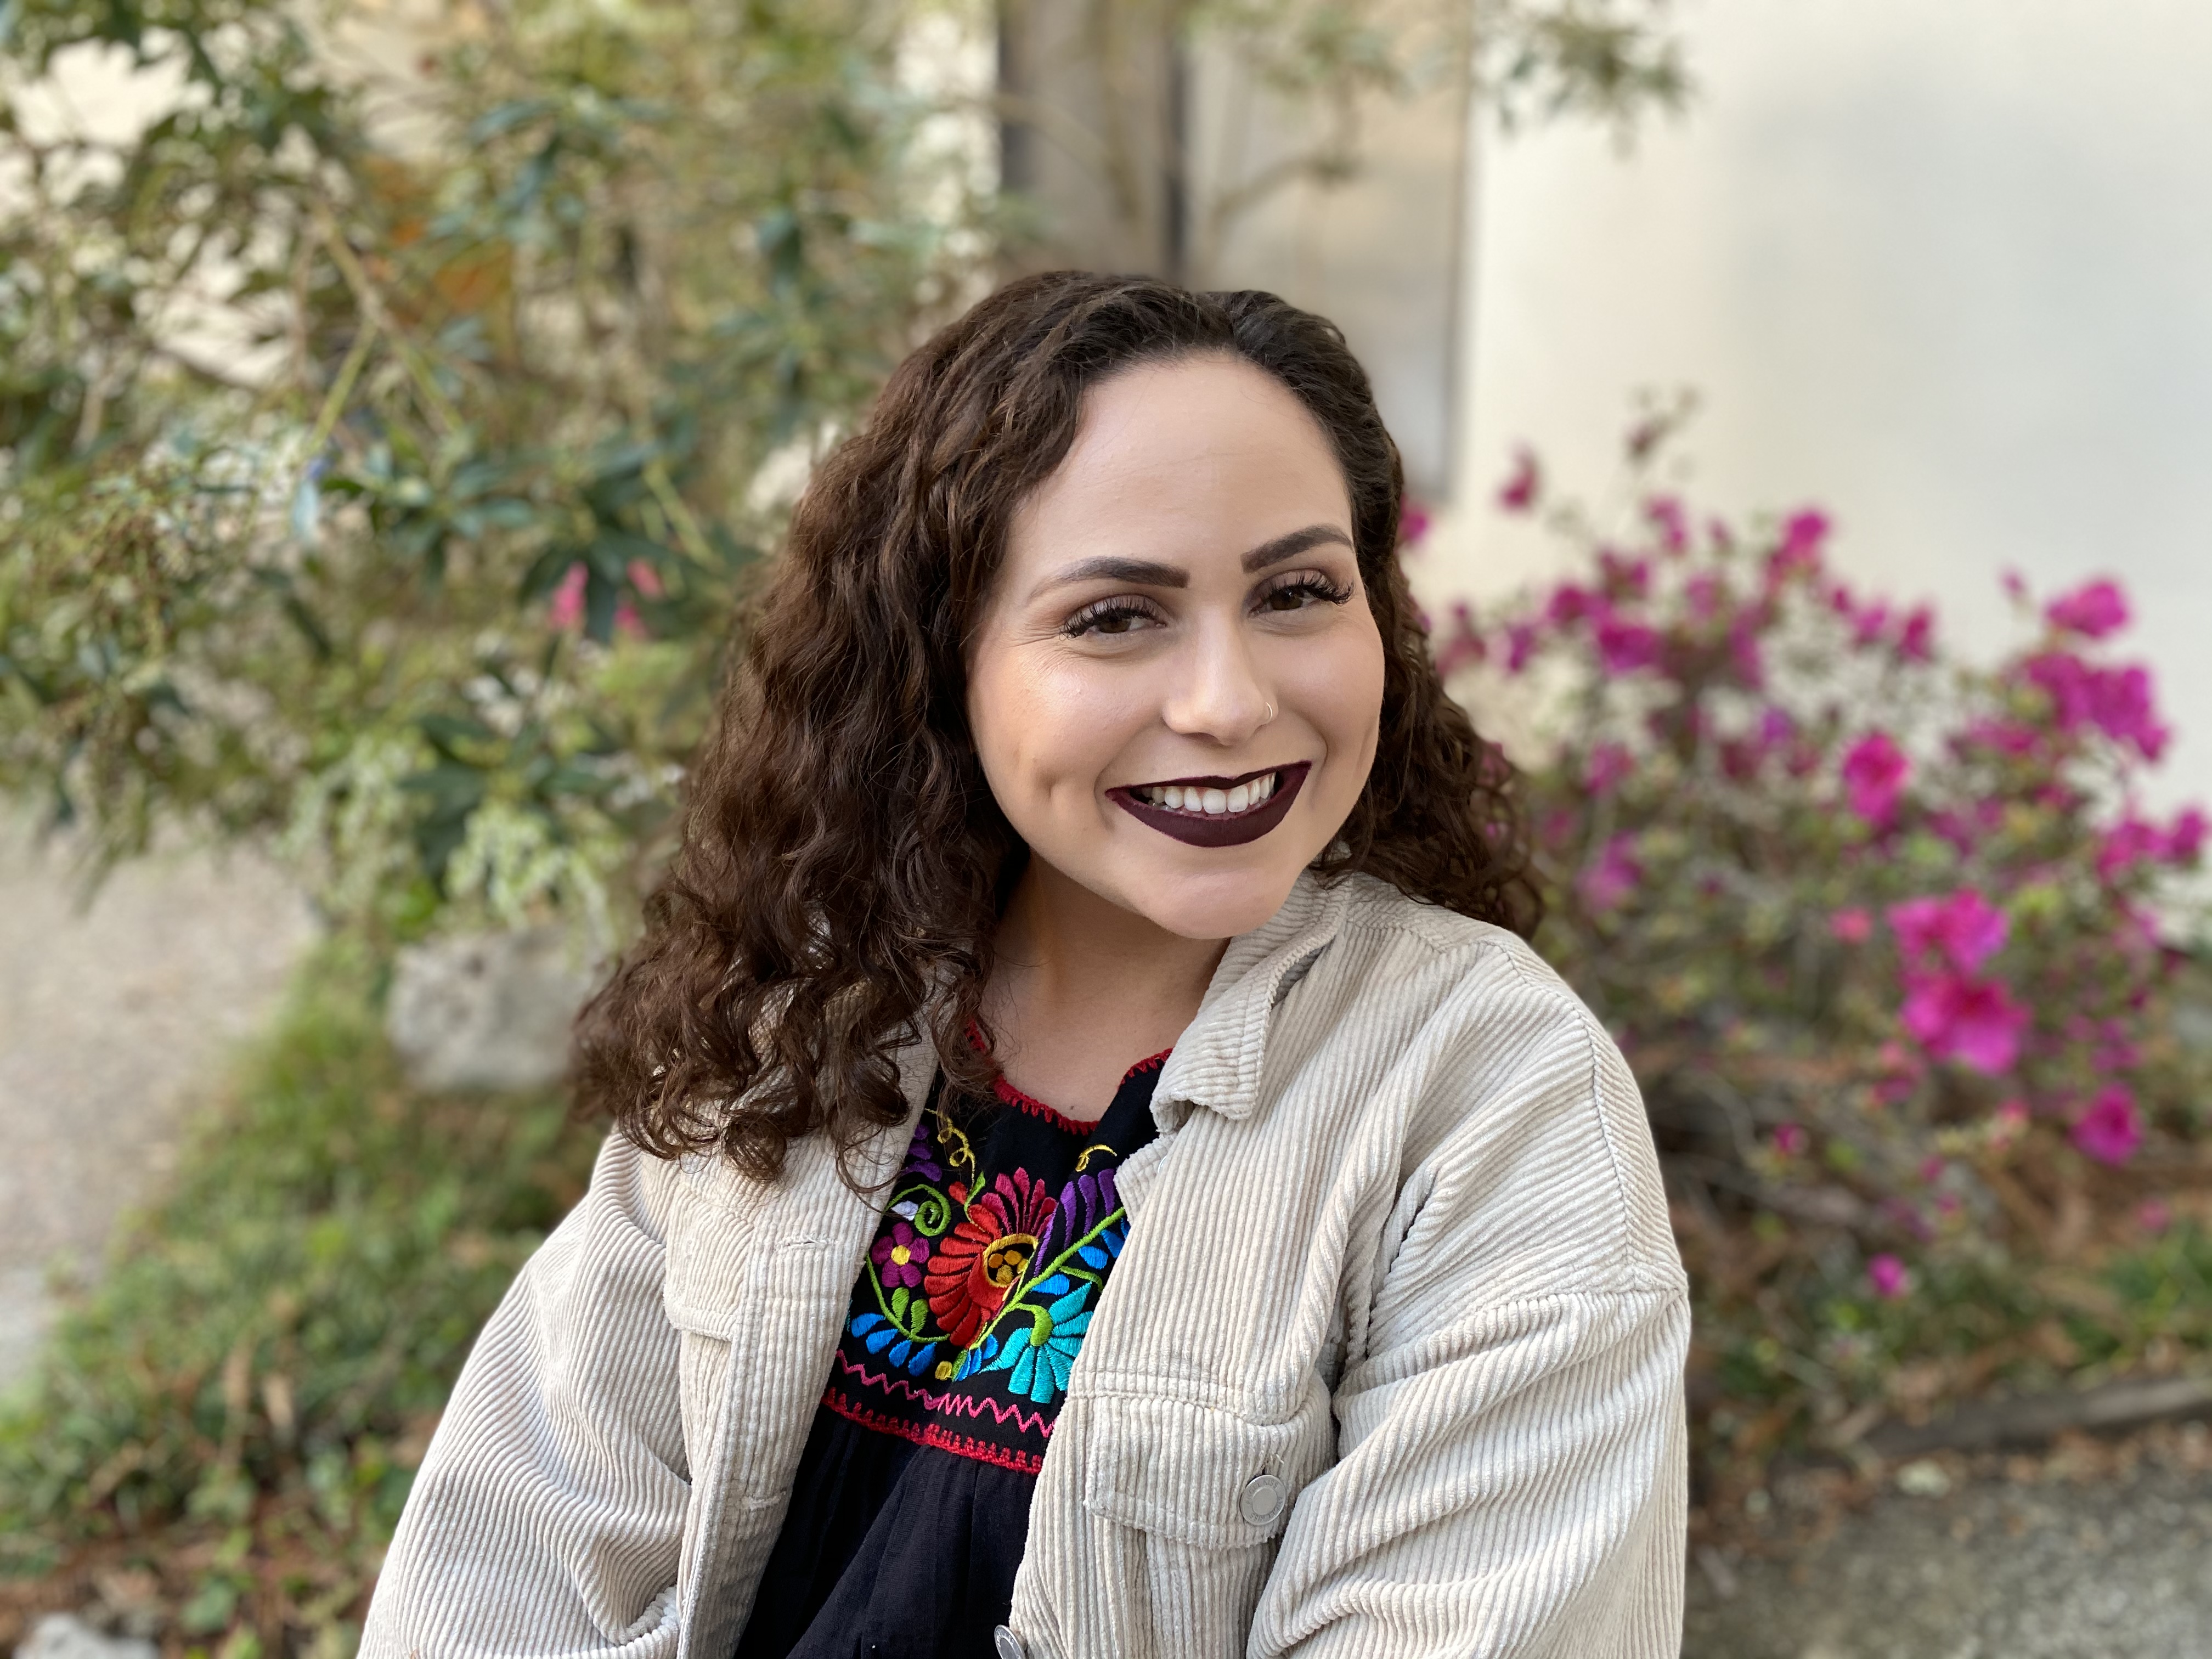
{"points": [[1521, 641], [1802, 536], [1874, 772], [1462, 645], [565, 609], [2092, 611], [1851, 924], [1868, 625], [2111, 1130], [1917, 642], [1612, 877], [2118, 702], [1973, 1022], [1668, 518], [1519, 492], [1965, 929], [1568, 603], [1625, 647], [2006, 737], [2121, 707], [2128, 843], [1702, 594], [1414, 523], [1790, 1140], [1624, 576], [900, 1257], [1888, 1277], [1745, 652], [1609, 762]]}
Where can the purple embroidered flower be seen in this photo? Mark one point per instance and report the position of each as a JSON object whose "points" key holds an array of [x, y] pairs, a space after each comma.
{"points": [[899, 1255], [921, 1155]]}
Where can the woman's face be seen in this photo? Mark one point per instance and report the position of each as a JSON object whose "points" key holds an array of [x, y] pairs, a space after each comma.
{"points": [[1177, 685]]}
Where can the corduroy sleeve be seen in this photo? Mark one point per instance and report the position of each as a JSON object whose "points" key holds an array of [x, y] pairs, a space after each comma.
{"points": [[547, 1518], [1511, 1471]]}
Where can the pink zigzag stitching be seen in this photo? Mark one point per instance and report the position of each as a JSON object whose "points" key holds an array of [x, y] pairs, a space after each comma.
{"points": [[967, 1404]]}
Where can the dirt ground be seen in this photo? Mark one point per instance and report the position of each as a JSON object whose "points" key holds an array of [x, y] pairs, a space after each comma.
{"points": [[110, 1018], [2096, 1550]]}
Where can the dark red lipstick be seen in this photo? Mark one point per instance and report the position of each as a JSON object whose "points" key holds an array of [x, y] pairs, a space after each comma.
{"points": [[1201, 828]]}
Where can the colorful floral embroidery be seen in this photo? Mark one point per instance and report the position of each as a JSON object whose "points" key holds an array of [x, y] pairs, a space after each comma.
{"points": [[899, 1255], [986, 1253], [980, 1285]]}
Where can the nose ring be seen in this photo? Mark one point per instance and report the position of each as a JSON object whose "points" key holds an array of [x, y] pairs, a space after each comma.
{"points": [[1271, 715]]}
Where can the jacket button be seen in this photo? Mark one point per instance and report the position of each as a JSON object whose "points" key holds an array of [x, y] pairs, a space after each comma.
{"points": [[1008, 1646], [1262, 1499]]}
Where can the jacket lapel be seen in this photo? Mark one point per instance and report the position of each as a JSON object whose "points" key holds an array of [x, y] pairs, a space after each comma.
{"points": [[770, 1268]]}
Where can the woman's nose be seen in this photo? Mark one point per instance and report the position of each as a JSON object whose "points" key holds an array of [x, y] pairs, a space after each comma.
{"points": [[1215, 691]]}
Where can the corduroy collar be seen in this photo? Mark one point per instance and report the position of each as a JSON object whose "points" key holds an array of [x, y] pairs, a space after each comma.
{"points": [[1217, 1060]]}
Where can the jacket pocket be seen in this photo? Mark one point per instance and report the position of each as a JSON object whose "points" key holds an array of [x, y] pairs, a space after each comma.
{"points": [[1210, 1479]]}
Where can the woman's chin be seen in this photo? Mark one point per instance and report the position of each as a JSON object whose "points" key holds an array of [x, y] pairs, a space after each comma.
{"points": [[1214, 907]]}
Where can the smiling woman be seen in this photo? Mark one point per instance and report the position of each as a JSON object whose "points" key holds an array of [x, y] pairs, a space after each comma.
{"points": [[1087, 751]]}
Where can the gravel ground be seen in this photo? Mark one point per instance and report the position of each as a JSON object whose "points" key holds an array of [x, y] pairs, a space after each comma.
{"points": [[2092, 1552], [110, 1018]]}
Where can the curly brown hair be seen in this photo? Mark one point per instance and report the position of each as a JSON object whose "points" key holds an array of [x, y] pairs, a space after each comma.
{"points": [[843, 863]]}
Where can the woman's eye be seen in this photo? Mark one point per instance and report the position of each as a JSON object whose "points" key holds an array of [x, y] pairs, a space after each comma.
{"points": [[1305, 591], [1112, 617]]}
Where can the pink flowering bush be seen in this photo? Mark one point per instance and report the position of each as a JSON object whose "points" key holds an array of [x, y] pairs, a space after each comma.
{"points": [[1894, 946]]}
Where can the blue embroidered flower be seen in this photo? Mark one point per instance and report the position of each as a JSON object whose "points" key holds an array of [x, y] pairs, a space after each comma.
{"points": [[1039, 1358], [1096, 1253], [880, 1336], [976, 1358]]}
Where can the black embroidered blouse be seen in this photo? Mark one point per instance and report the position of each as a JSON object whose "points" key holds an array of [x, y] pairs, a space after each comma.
{"points": [[911, 1505]]}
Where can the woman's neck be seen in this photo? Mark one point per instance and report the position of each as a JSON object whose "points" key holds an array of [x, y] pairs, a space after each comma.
{"points": [[1082, 989]]}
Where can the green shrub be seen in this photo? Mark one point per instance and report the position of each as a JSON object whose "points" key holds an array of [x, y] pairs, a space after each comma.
{"points": [[252, 1383], [1905, 966]]}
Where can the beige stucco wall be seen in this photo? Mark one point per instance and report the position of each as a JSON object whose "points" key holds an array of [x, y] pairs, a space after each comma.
{"points": [[1945, 267]]}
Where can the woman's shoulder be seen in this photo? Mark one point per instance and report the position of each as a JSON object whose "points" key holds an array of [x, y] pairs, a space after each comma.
{"points": [[1494, 1063], [1425, 950]]}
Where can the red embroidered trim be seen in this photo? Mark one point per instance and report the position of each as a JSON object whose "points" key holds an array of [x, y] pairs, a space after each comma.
{"points": [[1158, 1059], [1037, 1108], [935, 1434], [954, 1400]]}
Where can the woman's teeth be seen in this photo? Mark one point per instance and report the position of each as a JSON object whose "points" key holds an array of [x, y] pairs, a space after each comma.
{"points": [[1211, 803]]}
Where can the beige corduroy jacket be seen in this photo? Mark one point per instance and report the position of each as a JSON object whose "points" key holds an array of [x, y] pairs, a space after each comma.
{"points": [[1391, 1365]]}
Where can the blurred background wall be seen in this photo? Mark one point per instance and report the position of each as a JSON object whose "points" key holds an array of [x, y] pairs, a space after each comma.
{"points": [[1946, 270]]}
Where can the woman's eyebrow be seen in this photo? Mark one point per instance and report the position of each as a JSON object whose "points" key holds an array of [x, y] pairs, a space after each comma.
{"points": [[1143, 572], [1290, 546], [1146, 573]]}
